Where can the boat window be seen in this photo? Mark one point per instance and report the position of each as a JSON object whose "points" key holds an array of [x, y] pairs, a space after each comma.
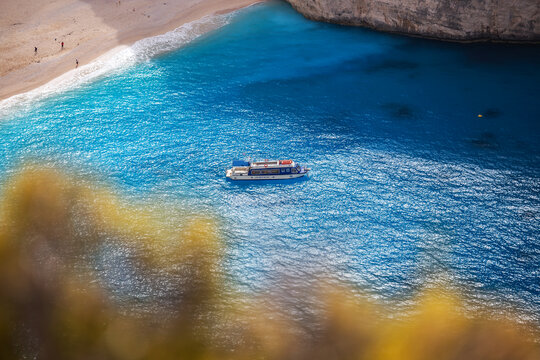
{"points": [[288, 170], [264, 172]]}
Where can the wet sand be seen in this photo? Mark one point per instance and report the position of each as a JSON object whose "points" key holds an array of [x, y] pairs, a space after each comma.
{"points": [[88, 29]]}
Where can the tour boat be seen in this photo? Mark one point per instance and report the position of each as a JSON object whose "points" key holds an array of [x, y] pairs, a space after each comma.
{"points": [[266, 170]]}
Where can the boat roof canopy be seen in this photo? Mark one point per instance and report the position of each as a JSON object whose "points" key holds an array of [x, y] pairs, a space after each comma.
{"points": [[240, 163]]}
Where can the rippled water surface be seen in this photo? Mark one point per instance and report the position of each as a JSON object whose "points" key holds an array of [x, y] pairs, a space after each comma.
{"points": [[407, 182]]}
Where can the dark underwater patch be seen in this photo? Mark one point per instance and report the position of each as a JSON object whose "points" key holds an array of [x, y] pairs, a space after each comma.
{"points": [[492, 113], [528, 215], [486, 140], [389, 64], [399, 110]]}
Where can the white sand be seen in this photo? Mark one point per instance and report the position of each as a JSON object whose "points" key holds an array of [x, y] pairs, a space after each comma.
{"points": [[88, 29]]}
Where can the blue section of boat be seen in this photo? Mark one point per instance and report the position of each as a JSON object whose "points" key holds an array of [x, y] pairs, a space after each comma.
{"points": [[240, 163]]}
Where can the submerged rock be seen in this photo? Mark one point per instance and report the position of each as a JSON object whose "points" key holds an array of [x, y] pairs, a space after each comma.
{"points": [[461, 20]]}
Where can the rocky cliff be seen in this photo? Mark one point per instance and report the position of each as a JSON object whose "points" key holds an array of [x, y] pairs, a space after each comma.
{"points": [[462, 20]]}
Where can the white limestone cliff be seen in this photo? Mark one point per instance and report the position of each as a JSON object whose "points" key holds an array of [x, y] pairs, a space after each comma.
{"points": [[460, 20]]}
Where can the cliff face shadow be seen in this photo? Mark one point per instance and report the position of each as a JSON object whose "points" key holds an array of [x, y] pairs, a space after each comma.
{"points": [[499, 54]]}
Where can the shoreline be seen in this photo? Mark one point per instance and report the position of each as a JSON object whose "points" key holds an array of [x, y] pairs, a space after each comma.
{"points": [[22, 73]]}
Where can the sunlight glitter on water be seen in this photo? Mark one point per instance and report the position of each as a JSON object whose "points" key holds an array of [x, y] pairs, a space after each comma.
{"points": [[407, 181]]}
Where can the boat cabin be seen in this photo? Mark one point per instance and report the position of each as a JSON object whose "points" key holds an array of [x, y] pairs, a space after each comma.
{"points": [[274, 167], [267, 169]]}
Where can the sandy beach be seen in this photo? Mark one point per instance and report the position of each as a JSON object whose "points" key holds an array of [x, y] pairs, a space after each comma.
{"points": [[87, 29]]}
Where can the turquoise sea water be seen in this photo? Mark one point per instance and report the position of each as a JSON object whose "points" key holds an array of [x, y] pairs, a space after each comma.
{"points": [[407, 183]]}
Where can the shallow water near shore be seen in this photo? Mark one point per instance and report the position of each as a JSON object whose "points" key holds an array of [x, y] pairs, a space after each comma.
{"points": [[408, 182]]}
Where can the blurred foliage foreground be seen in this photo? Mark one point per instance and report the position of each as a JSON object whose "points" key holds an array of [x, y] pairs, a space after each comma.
{"points": [[53, 306]]}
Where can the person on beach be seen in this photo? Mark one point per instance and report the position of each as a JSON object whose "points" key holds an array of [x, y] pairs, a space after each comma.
{"points": [[35, 49], [62, 45], [76, 63]]}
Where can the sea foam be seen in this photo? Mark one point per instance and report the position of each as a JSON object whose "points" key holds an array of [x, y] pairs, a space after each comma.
{"points": [[117, 59]]}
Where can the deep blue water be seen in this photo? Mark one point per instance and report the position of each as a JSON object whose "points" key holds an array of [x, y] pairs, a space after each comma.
{"points": [[408, 183]]}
